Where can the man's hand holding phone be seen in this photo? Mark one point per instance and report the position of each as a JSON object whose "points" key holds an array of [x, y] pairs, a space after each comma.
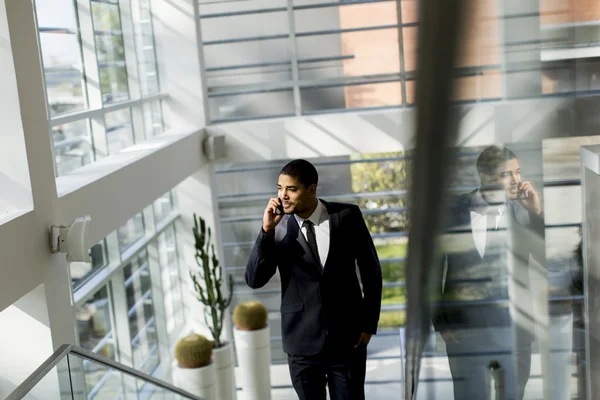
{"points": [[529, 197], [271, 216]]}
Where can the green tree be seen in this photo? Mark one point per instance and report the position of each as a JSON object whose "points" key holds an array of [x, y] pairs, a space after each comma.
{"points": [[382, 176], [110, 48]]}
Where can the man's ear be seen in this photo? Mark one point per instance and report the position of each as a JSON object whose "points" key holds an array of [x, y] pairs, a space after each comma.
{"points": [[312, 189]]}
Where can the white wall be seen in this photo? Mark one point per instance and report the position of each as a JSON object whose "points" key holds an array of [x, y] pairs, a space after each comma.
{"points": [[25, 343]]}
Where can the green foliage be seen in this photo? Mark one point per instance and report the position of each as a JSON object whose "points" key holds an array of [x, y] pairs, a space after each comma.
{"points": [[193, 351], [210, 274], [379, 177], [110, 48], [392, 319], [392, 272], [250, 316]]}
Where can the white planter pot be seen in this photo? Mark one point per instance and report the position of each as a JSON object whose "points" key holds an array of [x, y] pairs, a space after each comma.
{"points": [[254, 360], [223, 360], [197, 381]]}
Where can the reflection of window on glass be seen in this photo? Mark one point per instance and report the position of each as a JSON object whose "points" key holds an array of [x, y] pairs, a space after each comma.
{"points": [[146, 54], [171, 281], [111, 52], [72, 144], [163, 207], [153, 119], [119, 130], [94, 326], [81, 272], [131, 231], [142, 325], [61, 56]]}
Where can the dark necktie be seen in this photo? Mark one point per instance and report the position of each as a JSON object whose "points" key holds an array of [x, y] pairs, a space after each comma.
{"points": [[312, 241]]}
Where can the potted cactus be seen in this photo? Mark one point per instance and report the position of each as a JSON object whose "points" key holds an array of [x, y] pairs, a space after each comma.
{"points": [[208, 284], [252, 343], [195, 373]]}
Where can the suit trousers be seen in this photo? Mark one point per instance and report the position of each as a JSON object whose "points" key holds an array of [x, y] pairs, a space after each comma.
{"points": [[470, 351], [343, 371]]}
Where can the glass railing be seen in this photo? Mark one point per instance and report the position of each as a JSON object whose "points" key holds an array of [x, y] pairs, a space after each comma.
{"points": [[71, 370]]}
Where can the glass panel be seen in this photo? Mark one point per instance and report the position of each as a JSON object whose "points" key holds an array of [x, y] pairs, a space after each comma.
{"points": [[72, 144], [146, 54], [247, 63], [95, 330], [111, 52], [113, 81], [171, 281], [115, 384], [106, 16], [61, 56], [357, 96], [251, 105], [131, 231], [350, 53], [142, 325], [55, 385], [153, 119], [110, 48], [81, 272], [163, 206], [119, 130], [62, 67]]}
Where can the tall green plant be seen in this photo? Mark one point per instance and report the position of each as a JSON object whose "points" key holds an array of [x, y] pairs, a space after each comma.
{"points": [[210, 274]]}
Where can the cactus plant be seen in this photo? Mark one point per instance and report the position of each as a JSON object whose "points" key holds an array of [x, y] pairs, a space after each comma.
{"points": [[210, 293], [250, 316], [193, 351]]}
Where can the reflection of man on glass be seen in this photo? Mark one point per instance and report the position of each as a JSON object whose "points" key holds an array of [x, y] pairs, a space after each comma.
{"points": [[327, 320], [493, 240]]}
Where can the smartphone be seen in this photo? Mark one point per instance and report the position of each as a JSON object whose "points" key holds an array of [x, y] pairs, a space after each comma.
{"points": [[522, 194], [279, 210]]}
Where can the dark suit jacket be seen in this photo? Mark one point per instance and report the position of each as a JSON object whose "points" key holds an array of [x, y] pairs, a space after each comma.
{"points": [[313, 303], [489, 275]]}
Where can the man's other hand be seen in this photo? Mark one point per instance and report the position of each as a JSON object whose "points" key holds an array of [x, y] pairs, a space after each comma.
{"points": [[364, 338]]}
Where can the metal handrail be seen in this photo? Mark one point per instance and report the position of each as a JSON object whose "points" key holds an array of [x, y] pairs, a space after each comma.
{"points": [[69, 349]]}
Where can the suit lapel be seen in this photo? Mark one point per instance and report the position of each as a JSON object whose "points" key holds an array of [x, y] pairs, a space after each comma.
{"points": [[334, 223]]}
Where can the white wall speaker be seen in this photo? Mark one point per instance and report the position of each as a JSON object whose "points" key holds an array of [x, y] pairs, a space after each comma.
{"points": [[214, 147]]}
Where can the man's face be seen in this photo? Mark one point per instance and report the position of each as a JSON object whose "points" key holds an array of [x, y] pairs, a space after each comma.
{"points": [[296, 197], [509, 176]]}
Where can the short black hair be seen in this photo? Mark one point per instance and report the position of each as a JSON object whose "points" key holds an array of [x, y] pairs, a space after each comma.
{"points": [[302, 170], [491, 158]]}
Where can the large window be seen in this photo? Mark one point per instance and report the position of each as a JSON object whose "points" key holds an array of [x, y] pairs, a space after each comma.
{"points": [[81, 272], [140, 313], [311, 57], [171, 275], [379, 184], [101, 75], [96, 334], [130, 293]]}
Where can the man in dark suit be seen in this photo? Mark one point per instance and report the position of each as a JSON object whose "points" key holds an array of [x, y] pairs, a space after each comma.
{"points": [[485, 313], [327, 320]]}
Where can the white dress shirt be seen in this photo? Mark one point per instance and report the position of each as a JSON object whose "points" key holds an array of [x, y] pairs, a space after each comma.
{"points": [[479, 222], [320, 219]]}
